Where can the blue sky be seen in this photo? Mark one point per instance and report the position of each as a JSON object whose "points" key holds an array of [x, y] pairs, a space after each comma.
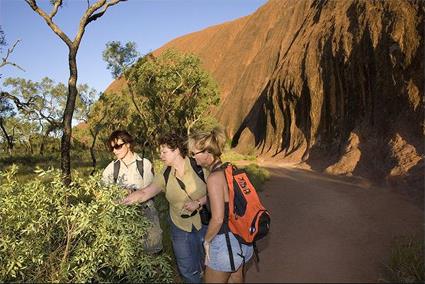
{"points": [[150, 23]]}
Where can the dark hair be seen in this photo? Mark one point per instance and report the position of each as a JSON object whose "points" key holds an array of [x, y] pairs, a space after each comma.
{"points": [[174, 141], [123, 135]]}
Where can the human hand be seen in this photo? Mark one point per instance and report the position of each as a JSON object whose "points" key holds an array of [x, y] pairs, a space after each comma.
{"points": [[191, 205], [207, 252], [132, 198]]}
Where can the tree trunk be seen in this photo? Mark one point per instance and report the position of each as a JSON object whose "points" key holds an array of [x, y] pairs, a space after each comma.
{"points": [[27, 147], [43, 142], [92, 152], [93, 12], [30, 145], [9, 139], [67, 116], [49, 129]]}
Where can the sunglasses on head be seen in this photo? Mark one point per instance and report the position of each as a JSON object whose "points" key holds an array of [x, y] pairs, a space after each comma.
{"points": [[117, 146], [193, 154]]}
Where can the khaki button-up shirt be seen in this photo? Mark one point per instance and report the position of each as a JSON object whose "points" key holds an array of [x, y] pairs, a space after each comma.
{"points": [[177, 197], [128, 175]]}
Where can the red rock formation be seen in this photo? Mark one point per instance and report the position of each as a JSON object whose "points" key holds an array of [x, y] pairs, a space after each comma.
{"points": [[336, 84], [299, 78]]}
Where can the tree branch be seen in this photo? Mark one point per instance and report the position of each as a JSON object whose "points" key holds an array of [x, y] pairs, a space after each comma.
{"points": [[105, 7], [20, 105], [4, 59], [26, 108], [58, 3], [89, 17], [133, 99], [179, 86], [50, 23]]}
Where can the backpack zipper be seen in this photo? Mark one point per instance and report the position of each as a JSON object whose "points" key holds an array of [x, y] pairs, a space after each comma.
{"points": [[252, 229]]}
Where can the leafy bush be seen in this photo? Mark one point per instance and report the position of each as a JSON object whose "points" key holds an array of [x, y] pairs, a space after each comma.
{"points": [[257, 176], [28, 163], [233, 156], [406, 264], [53, 233]]}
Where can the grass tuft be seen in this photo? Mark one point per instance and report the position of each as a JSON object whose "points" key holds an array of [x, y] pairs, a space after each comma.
{"points": [[406, 263], [257, 175]]}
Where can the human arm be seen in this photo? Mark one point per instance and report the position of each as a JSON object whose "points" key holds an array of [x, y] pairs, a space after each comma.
{"points": [[141, 195], [195, 204], [217, 187]]}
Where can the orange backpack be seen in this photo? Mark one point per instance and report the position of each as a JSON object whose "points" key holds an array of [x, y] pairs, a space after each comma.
{"points": [[249, 221]]}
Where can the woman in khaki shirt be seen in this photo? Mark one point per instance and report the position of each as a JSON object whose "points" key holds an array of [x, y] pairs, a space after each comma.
{"points": [[186, 193]]}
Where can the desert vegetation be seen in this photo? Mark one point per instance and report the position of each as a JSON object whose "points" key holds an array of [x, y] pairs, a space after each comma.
{"points": [[406, 263], [296, 82], [86, 235], [77, 233]]}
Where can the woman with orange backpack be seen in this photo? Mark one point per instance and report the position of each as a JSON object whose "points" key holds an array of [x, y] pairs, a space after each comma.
{"points": [[225, 256]]}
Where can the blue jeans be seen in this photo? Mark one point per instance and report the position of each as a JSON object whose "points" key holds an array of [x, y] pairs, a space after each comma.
{"points": [[189, 252]]}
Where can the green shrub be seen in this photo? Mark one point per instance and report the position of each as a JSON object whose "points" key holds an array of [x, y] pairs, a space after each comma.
{"points": [[406, 263], [233, 156], [53, 233], [257, 176]]}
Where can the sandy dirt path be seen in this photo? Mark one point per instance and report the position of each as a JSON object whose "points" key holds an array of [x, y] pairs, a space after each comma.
{"points": [[329, 229]]}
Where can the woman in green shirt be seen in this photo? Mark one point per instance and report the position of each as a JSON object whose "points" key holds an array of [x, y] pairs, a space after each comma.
{"points": [[186, 193]]}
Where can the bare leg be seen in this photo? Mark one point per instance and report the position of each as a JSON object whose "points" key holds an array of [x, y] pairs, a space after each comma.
{"points": [[237, 276], [213, 276]]}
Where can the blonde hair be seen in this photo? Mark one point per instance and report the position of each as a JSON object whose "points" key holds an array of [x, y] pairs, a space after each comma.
{"points": [[213, 142]]}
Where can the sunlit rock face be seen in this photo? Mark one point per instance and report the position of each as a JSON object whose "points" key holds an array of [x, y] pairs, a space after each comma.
{"points": [[337, 85]]}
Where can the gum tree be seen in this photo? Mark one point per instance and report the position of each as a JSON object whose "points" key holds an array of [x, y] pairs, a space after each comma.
{"points": [[6, 108], [119, 57], [94, 11], [6, 111], [171, 92], [44, 103]]}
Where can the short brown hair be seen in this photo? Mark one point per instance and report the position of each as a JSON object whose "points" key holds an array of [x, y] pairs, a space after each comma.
{"points": [[174, 141]]}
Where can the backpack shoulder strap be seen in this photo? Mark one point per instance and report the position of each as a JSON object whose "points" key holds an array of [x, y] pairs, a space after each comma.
{"points": [[167, 175], [117, 165], [198, 169], [227, 167], [140, 166], [226, 164]]}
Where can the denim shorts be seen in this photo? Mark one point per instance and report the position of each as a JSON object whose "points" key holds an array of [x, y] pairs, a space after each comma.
{"points": [[219, 253]]}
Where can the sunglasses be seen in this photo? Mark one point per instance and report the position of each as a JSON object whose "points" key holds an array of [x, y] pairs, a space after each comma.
{"points": [[117, 146], [185, 216], [193, 154]]}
